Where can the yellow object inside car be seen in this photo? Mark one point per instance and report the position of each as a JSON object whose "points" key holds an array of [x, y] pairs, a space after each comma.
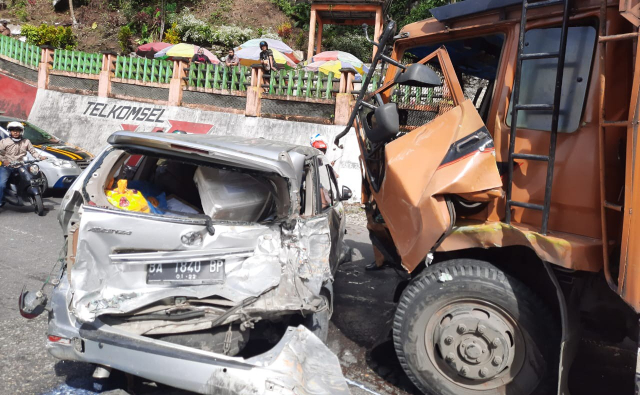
{"points": [[127, 199]]}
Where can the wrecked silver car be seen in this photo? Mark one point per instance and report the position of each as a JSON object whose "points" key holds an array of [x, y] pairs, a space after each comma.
{"points": [[201, 262]]}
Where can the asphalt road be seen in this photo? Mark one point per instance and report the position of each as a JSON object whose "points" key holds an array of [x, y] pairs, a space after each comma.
{"points": [[362, 310], [29, 246]]}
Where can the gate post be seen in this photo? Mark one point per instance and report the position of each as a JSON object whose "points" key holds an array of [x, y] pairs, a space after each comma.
{"points": [[178, 82], [254, 93], [106, 72], [344, 97], [46, 63]]}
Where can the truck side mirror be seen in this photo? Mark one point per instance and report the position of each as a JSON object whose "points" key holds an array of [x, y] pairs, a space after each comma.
{"points": [[383, 123], [419, 75], [346, 193]]}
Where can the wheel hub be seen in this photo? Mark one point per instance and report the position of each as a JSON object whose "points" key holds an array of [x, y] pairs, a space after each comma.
{"points": [[475, 348]]}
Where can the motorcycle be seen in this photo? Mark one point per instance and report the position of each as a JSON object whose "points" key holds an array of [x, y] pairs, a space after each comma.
{"points": [[25, 185]]}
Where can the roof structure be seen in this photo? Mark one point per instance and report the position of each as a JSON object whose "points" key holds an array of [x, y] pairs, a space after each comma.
{"points": [[343, 12]]}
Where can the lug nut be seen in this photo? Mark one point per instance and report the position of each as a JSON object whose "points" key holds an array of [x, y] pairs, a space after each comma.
{"points": [[497, 361], [483, 372], [462, 328], [481, 329], [448, 340], [463, 371], [496, 342], [450, 357]]}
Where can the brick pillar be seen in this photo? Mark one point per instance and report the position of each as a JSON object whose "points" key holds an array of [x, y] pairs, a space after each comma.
{"points": [[177, 82], [46, 64], [104, 83], [254, 93], [344, 97]]}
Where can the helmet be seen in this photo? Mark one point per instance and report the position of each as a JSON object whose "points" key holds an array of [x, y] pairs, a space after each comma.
{"points": [[264, 44], [16, 125], [317, 137], [320, 145]]}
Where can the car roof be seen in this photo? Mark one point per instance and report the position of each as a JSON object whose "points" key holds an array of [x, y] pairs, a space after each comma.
{"points": [[252, 153]]}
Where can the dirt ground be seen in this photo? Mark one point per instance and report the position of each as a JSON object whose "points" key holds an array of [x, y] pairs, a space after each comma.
{"points": [[108, 19]]}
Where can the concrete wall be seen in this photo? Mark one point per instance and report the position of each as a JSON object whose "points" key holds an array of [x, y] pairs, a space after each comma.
{"points": [[87, 121]]}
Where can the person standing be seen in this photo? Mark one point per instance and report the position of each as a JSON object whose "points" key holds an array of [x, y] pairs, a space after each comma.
{"points": [[266, 57], [231, 59]]}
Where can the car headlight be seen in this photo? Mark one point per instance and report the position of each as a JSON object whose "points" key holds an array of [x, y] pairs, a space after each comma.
{"points": [[62, 163], [34, 169]]}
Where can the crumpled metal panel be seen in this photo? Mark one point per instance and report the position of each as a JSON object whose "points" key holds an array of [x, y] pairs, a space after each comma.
{"points": [[287, 267], [101, 286], [302, 363]]}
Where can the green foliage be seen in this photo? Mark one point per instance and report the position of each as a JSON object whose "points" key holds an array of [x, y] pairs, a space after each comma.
{"points": [[299, 12], [219, 16], [301, 40], [59, 37], [172, 36], [124, 39], [19, 10], [284, 30], [347, 39], [409, 11], [196, 31]]}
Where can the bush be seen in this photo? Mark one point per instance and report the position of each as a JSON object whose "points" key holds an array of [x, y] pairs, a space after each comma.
{"points": [[196, 31], [230, 36], [124, 39], [284, 30], [172, 36], [352, 42], [59, 37], [300, 12]]}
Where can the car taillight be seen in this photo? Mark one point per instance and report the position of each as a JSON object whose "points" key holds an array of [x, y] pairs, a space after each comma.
{"points": [[58, 339]]}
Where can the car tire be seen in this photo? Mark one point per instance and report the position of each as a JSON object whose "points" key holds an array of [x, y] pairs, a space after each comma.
{"points": [[462, 316]]}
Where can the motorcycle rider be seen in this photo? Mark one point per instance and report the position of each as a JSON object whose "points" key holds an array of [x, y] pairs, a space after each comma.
{"points": [[13, 149]]}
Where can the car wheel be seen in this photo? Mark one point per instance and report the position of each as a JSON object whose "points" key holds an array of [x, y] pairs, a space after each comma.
{"points": [[463, 327]]}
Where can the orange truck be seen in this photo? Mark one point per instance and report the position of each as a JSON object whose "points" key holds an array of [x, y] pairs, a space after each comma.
{"points": [[500, 165]]}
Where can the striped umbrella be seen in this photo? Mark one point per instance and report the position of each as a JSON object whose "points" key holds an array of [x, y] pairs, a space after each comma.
{"points": [[251, 55], [183, 50], [150, 49], [273, 44], [334, 66], [344, 57]]}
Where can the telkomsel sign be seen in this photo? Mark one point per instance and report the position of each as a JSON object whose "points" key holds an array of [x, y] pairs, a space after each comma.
{"points": [[124, 113]]}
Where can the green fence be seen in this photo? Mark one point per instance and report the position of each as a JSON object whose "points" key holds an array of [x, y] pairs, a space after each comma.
{"points": [[24, 53], [300, 83], [143, 69], [77, 61], [375, 84], [218, 77]]}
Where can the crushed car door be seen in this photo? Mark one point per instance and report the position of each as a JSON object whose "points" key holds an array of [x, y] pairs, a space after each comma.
{"points": [[421, 141]]}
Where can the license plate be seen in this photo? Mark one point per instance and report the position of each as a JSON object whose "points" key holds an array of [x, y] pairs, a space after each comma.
{"points": [[196, 272]]}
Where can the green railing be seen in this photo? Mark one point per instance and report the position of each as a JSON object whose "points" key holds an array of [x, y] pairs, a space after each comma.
{"points": [[218, 77], [24, 53], [143, 69], [375, 84], [300, 83], [77, 61]]}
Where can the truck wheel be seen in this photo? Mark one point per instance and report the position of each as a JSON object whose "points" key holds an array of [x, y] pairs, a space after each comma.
{"points": [[463, 327]]}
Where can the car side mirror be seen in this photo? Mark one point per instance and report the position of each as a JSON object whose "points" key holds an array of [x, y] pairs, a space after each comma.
{"points": [[419, 75], [346, 193]]}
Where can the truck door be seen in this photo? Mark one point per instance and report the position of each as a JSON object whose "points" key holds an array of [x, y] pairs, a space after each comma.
{"points": [[441, 148]]}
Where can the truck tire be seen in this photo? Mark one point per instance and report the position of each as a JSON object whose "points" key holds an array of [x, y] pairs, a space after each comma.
{"points": [[463, 327]]}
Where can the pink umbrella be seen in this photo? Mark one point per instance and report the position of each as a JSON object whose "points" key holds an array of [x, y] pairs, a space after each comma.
{"points": [[150, 49]]}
